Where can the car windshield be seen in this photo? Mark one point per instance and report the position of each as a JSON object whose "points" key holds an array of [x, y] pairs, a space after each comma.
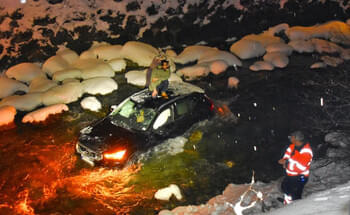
{"points": [[133, 116]]}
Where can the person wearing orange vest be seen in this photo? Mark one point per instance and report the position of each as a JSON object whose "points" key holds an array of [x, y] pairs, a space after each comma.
{"points": [[296, 161]]}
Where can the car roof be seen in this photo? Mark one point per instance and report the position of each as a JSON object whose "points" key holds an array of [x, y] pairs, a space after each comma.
{"points": [[175, 90]]}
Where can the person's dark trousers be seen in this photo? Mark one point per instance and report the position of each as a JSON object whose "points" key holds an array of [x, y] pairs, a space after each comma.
{"points": [[163, 86], [294, 185]]}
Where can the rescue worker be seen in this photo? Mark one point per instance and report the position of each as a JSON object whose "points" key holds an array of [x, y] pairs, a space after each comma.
{"points": [[157, 77], [296, 161]]}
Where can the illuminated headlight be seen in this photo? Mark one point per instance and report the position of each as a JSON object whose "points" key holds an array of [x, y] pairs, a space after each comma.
{"points": [[118, 155]]}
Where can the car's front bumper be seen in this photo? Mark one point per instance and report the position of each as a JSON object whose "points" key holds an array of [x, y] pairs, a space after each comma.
{"points": [[89, 156]]}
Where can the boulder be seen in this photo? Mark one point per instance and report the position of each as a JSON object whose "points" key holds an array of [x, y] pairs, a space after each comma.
{"points": [[194, 72], [41, 84], [139, 52], [26, 102], [67, 74], [193, 53], [117, 64], [63, 94], [54, 64]]}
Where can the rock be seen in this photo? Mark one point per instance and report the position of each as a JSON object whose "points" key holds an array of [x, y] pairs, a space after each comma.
{"points": [[337, 139], [165, 193]]}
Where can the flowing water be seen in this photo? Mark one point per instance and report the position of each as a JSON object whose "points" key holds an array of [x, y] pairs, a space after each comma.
{"points": [[41, 174]]}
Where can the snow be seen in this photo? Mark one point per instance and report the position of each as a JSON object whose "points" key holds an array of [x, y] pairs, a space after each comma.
{"points": [[9, 86], [192, 53], [7, 115], [54, 64], [194, 72], [67, 74], [279, 47], [91, 103], [43, 113], [302, 46], [232, 82], [246, 49], [101, 85], [117, 64], [335, 201]]}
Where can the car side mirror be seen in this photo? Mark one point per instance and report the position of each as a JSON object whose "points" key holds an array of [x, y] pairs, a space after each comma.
{"points": [[113, 108]]}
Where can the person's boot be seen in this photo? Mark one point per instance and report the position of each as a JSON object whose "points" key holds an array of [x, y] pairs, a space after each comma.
{"points": [[164, 95]]}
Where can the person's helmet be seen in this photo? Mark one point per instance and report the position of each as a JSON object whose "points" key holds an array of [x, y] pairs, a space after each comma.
{"points": [[298, 135]]}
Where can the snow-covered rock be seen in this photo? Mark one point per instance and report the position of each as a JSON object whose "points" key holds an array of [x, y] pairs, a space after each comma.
{"points": [[108, 52], [67, 74], [117, 64], [165, 193], [278, 59], [215, 55], [63, 94], [91, 103], [100, 85], [318, 65], [26, 102], [232, 82], [218, 66], [272, 31], [139, 52], [332, 61], [345, 54], [324, 46], [41, 84], [302, 46], [9, 86], [193, 53], [336, 31], [7, 115], [54, 64], [98, 70], [194, 72], [261, 65], [24, 72], [43, 113], [246, 49], [68, 55], [279, 47]]}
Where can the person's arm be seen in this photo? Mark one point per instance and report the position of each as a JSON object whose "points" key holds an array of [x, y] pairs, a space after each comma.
{"points": [[153, 65]]}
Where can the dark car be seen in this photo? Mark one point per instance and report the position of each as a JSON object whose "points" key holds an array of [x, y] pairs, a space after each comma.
{"points": [[140, 122]]}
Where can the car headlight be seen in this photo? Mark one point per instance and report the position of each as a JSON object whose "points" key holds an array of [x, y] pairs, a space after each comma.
{"points": [[117, 155]]}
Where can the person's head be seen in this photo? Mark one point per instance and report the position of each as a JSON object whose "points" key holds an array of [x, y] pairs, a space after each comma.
{"points": [[297, 137], [164, 64]]}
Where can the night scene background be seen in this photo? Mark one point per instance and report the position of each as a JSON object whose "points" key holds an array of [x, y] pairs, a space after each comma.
{"points": [[271, 67]]}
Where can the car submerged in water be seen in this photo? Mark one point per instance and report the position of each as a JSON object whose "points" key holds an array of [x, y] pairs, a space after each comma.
{"points": [[140, 122]]}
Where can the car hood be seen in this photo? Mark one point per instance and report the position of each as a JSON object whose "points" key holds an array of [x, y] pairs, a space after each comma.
{"points": [[103, 135]]}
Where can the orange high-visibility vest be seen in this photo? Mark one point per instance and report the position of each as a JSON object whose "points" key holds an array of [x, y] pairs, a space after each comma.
{"points": [[298, 161]]}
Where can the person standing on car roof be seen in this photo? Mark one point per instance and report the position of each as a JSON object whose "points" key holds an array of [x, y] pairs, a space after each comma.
{"points": [[157, 77], [296, 161]]}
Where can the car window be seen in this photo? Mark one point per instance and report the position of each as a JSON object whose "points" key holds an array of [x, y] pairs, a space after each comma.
{"points": [[184, 106], [133, 116], [162, 118]]}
